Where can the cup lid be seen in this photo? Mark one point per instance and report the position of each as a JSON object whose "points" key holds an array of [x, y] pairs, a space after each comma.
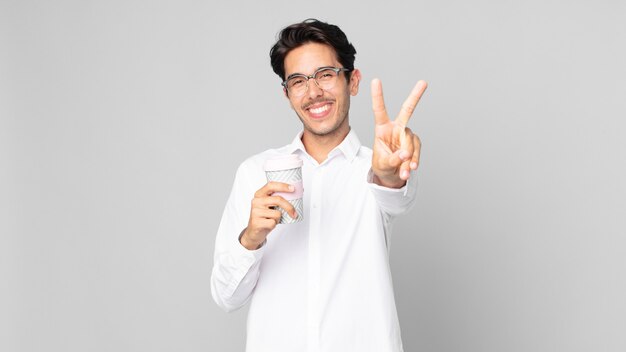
{"points": [[283, 162]]}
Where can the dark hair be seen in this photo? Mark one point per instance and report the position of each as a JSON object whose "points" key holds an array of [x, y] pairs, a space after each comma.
{"points": [[307, 31]]}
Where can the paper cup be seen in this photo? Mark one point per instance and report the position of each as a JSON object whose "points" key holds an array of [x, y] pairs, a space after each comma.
{"points": [[287, 169]]}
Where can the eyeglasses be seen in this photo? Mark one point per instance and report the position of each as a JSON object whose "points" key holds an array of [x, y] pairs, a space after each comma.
{"points": [[325, 78]]}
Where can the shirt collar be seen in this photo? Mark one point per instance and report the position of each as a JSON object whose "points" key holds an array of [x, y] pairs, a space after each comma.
{"points": [[349, 147]]}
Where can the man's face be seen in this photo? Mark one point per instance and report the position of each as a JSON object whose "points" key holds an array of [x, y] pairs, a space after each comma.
{"points": [[322, 112]]}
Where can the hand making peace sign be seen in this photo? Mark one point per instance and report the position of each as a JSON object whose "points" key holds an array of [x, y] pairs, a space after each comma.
{"points": [[396, 148]]}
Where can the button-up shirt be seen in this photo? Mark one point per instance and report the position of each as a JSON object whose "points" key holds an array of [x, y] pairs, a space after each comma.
{"points": [[322, 284]]}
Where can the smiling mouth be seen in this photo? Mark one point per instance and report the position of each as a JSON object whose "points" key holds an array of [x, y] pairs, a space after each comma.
{"points": [[321, 109]]}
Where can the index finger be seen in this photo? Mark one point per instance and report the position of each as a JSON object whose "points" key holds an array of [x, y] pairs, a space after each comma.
{"points": [[272, 187], [411, 102], [378, 103]]}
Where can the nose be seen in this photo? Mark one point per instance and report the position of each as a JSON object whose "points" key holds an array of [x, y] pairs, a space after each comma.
{"points": [[314, 90]]}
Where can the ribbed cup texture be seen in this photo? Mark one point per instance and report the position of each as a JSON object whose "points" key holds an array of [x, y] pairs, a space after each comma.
{"points": [[290, 176]]}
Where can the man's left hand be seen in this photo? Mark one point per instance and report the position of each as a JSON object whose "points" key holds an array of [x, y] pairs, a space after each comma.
{"points": [[396, 147]]}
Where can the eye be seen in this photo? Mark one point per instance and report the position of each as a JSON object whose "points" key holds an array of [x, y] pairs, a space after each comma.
{"points": [[296, 82], [326, 75]]}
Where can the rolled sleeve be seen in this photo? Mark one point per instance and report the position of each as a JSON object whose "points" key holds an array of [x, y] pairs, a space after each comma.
{"points": [[394, 201], [235, 268]]}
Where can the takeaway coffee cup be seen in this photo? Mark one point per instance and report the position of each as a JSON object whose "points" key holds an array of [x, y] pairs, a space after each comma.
{"points": [[287, 169]]}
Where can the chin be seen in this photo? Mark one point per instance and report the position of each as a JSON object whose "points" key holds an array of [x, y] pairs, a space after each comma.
{"points": [[326, 127], [324, 130], [320, 133]]}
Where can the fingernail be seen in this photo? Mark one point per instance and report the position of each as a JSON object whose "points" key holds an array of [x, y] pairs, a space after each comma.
{"points": [[405, 174], [413, 165], [404, 154], [291, 188]]}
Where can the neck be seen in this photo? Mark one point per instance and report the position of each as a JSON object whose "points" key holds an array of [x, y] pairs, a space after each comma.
{"points": [[318, 146]]}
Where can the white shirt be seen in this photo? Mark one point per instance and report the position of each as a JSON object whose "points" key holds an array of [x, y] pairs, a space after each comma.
{"points": [[322, 284]]}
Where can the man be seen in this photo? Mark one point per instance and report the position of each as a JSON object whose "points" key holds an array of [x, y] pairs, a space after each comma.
{"points": [[324, 283]]}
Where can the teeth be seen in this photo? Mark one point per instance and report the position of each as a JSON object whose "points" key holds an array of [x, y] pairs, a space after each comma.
{"points": [[321, 109]]}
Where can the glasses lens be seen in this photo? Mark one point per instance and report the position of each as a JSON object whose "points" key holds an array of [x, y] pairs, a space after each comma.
{"points": [[296, 85], [326, 78]]}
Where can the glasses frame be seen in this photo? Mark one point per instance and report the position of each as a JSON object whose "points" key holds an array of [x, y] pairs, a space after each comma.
{"points": [[312, 76]]}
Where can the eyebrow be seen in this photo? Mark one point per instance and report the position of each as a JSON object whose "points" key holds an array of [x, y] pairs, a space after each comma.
{"points": [[302, 74]]}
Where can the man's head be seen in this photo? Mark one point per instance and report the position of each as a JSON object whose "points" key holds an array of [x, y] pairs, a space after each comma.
{"points": [[305, 49], [311, 31]]}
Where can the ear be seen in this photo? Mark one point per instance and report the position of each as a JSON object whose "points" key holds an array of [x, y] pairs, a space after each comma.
{"points": [[355, 78]]}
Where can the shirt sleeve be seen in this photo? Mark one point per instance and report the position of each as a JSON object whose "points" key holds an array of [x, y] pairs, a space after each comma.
{"points": [[394, 201], [235, 268]]}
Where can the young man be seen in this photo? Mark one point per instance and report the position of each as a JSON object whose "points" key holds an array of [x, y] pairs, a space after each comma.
{"points": [[324, 283]]}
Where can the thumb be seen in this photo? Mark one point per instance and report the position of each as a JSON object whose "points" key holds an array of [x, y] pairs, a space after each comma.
{"points": [[397, 158]]}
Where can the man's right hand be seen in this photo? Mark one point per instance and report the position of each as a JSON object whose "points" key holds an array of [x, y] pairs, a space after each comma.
{"points": [[264, 216]]}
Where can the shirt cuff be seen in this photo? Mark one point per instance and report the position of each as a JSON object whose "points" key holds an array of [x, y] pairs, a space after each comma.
{"points": [[238, 264], [404, 189], [245, 252]]}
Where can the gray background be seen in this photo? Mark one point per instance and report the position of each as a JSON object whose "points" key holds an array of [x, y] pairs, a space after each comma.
{"points": [[122, 124]]}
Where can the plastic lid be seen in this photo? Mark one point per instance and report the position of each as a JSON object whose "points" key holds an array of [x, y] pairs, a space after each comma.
{"points": [[283, 162]]}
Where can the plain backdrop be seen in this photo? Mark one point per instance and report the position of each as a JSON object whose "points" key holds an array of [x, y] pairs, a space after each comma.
{"points": [[122, 124]]}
